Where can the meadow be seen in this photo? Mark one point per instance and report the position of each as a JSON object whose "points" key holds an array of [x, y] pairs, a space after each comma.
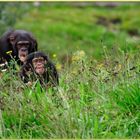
{"points": [[96, 51]]}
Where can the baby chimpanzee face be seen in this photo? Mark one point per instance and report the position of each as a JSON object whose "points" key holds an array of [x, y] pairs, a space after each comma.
{"points": [[39, 65]]}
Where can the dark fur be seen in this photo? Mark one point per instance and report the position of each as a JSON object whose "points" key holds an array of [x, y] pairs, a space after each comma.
{"points": [[50, 75], [5, 45]]}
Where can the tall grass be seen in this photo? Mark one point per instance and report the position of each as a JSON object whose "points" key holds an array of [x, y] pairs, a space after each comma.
{"points": [[94, 100]]}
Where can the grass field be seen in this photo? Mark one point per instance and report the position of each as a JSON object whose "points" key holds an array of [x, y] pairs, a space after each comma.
{"points": [[96, 51]]}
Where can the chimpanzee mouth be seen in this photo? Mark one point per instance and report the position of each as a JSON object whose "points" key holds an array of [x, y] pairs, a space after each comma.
{"points": [[39, 67], [22, 57]]}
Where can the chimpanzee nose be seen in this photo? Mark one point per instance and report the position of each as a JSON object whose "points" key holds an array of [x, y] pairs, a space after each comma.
{"points": [[23, 49]]}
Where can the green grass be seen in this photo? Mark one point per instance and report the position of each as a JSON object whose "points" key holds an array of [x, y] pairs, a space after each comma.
{"points": [[94, 100], [65, 29], [98, 95]]}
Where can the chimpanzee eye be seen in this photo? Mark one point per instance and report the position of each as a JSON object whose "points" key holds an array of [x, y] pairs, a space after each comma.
{"points": [[27, 45], [41, 60], [34, 60], [19, 46]]}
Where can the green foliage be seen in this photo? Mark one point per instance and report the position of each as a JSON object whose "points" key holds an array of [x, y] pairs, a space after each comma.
{"points": [[65, 28], [10, 13], [95, 99]]}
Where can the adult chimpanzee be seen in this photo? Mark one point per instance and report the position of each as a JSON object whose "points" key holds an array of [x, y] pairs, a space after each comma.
{"points": [[38, 66], [16, 44]]}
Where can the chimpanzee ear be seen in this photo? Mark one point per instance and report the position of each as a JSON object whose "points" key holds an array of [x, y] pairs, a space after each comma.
{"points": [[11, 39], [46, 58], [53, 72], [33, 44]]}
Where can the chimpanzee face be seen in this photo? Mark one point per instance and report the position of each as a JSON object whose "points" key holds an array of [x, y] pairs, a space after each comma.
{"points": [[39, 65], [22, 49], [22, 43]]}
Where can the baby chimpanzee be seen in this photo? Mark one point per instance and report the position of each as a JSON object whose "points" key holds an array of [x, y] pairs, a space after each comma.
{"points": [[39, 67]]}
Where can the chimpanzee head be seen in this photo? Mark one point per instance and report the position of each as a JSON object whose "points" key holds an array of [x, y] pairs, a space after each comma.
{"points": [[22, 43], [37, 61]]}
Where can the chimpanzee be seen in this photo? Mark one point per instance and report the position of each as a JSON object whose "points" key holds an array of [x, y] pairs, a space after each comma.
{"points": [[16, 44], [38, 66]]}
